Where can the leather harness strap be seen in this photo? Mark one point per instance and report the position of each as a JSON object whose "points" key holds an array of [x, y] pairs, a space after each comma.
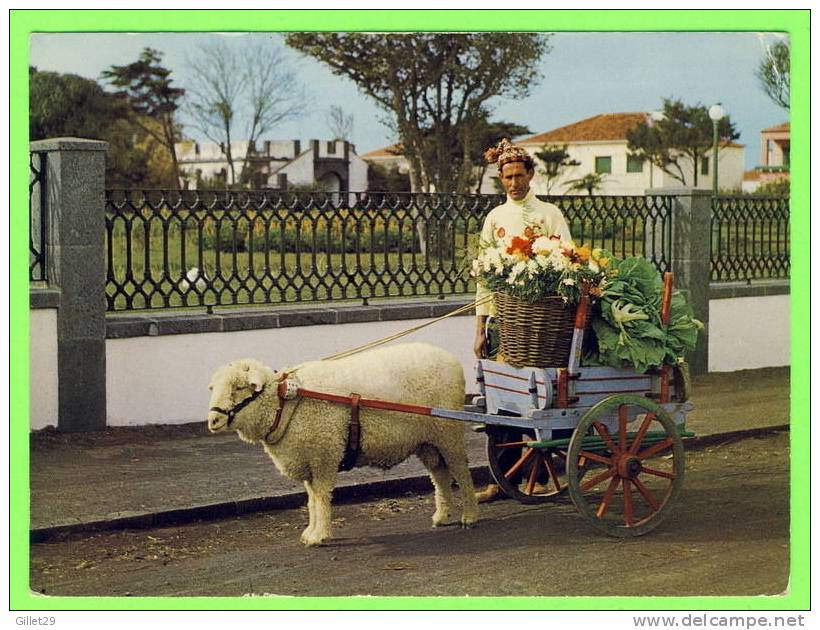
{"points": [[287, 391], [353, 434]]}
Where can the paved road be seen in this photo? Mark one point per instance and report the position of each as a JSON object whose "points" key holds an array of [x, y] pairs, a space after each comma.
{"points": [[728, 535]]}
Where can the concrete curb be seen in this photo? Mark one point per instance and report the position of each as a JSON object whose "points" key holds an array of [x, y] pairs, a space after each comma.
{"points": [[343, 494]]}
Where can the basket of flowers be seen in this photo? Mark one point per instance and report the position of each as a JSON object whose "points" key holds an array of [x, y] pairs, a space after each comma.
{"points": [[538, 281]]}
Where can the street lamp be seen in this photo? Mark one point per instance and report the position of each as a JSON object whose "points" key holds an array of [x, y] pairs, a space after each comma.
{"points": [[716, 112]]}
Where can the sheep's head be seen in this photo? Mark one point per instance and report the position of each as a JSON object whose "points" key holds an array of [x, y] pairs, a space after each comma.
{"points": [[233, 386]]}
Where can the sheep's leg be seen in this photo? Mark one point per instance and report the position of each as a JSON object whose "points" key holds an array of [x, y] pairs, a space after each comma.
{"points": [[442, 482], [308, 532], [322, 491], [456, 463]]}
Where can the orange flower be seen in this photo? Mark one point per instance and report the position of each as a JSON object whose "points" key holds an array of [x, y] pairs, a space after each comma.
{"points": [[583, 253], [520, 246], [603, 263], [596, 291], [572, 254]]}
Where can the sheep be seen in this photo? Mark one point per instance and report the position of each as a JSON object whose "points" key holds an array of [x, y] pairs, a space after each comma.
{"points": [[310, 441]]}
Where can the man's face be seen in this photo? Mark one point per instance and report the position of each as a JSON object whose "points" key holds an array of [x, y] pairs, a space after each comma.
{"points": [[516, 179]]}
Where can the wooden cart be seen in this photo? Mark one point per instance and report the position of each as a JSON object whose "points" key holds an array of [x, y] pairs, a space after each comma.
{"points": [[610, 438]]}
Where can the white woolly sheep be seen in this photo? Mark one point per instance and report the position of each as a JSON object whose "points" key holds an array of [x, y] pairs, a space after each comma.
{"points": [[310, 441]]}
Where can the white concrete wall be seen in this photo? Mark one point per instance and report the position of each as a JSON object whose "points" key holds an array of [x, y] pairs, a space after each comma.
{"points": [[619, 182], [43, 368], [164, 380], [299, 171], [358, 174], [281, 148], [748, 333], [730, 171]]}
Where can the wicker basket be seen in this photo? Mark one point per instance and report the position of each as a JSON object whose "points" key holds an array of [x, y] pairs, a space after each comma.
{"points": [[535, 335]]}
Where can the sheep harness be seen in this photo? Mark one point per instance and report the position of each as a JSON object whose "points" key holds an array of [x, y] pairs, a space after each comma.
{"points": [[288, 390]]}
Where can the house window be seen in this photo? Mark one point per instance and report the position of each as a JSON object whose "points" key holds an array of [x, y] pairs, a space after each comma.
{"points": [[331, 146], [786, 155], [704, 165], [603, 164], [634, 164]]}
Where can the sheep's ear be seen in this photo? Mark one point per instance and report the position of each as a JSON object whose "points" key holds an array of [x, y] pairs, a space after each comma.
{"points": [[256, 378]]}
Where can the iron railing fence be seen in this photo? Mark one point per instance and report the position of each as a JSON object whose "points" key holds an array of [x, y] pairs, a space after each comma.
{"points": [[37, 217], [750, 238], [177, 249]]}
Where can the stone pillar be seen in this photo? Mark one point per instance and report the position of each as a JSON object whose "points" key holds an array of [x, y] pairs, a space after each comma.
{"points": [[75, 255], [691, 252]]}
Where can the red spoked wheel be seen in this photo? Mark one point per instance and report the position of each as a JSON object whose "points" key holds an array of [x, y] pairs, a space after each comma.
{"points": [[631, 476], [526, 474]]}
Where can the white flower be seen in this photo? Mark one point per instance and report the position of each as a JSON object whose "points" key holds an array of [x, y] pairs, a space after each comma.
{"points": [[557, 260], [593, 266], [568, 281], [543, 245], [542, 261], [518, 269], [532, 267]]}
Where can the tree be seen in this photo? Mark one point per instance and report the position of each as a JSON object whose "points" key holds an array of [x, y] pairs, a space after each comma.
{"points": [[554, 160], [434, 87], [774, 73], [683, 134], [589, 182], [70, 105], [340, 124], [146, 88], [249, 88], [212, 94], [387, 179], [489, 134]]}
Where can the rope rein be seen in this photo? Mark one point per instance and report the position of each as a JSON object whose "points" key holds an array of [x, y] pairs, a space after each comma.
{"points": [[379, 342]]}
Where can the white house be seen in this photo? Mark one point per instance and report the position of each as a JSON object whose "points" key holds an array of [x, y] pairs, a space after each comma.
{"points": [[599, 144], [334, 165], [775, 146], [388, 157]]}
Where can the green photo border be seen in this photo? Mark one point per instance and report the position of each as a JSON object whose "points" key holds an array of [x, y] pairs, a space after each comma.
{"points": [[23, 23]]}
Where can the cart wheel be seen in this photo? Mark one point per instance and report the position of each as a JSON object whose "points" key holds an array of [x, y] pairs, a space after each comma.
{"points": [[528, 475], [631, 477]]}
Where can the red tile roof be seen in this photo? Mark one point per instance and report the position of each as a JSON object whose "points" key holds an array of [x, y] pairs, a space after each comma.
{"points": [[600, 128], [596, 129], [781, 127], [394, 150]]}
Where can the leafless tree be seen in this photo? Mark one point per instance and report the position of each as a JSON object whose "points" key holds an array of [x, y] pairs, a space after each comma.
{"points": [[246, 89], [340, 124]]}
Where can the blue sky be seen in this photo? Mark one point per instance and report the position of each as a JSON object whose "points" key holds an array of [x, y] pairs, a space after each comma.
{"points": [[585, 74]]}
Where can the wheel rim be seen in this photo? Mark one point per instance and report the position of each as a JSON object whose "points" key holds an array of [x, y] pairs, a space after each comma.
{"points": [[528, 475], [632, 475]]}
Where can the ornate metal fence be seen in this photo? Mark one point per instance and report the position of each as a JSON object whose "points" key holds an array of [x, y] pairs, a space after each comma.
{"points": [[176, 249], [37, 217], [750, 238]]}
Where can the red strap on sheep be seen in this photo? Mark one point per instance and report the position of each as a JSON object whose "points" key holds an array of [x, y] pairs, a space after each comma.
{"points": [[286, 392]]}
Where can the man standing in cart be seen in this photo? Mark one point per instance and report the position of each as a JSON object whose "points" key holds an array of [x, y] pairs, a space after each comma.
{"points": [[521, 211]]}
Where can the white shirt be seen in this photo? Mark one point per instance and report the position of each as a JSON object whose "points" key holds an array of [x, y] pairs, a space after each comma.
{"points": [[509, 219]]}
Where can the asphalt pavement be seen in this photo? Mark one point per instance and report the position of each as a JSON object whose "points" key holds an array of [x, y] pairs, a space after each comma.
{"points": [[164, 474]]}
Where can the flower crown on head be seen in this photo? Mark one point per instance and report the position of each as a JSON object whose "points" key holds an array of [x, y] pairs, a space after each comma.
{"points": [[505, 152]]}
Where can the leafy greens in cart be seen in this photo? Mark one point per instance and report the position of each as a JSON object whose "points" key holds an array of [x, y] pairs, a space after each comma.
{"points": [[627, 321]]}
